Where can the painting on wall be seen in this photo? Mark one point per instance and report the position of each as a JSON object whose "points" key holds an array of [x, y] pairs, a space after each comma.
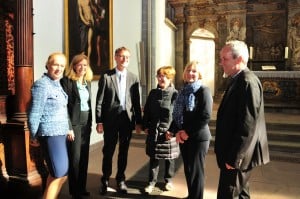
{"points": [[88, 25]]}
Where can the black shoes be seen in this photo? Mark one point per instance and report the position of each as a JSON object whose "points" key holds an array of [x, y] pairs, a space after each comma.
{"points": [[122, 187], [81, 195], [103, 188], [85, 193]]}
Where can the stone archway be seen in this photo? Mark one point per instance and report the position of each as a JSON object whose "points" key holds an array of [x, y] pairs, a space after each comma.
{"points": [[202, 49]]}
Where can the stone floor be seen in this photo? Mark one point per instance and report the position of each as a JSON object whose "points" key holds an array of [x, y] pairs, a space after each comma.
{"points": [[276, 180]]}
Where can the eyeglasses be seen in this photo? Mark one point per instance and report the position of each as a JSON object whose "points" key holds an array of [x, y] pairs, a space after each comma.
{"points": [[160, 76], [123, 56]]}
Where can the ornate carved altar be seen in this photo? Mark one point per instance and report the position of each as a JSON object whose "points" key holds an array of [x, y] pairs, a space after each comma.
{"points": [[281, 88]]}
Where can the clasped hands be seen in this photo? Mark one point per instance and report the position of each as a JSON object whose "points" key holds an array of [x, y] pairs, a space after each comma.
{"points": [[168, 134], [181, 136]]}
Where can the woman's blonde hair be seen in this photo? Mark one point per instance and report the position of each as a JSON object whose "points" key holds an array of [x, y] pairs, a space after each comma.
{"points": [[168, 71], [192, 65], [70, 71]]}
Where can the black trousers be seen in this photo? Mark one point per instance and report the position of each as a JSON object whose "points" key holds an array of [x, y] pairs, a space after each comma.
{"points": [[193, 153], [154, 170], [121, 131], [234, 184], [79, 155]]}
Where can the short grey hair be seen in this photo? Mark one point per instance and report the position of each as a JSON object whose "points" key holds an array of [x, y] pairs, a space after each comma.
{"points": [[239, 48]]}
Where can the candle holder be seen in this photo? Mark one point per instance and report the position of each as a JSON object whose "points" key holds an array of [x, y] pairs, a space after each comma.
{"points": [[286, 52], [251, 57], [286, 57]]}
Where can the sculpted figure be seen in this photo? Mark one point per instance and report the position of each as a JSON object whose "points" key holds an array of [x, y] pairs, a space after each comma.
{"points": [[237, 32], [294, 40]]}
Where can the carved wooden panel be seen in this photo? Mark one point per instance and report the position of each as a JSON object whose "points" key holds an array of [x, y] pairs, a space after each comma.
{"points": [[3, 60], [294, 34], [7, 82], [7, 72], [267, 33]]}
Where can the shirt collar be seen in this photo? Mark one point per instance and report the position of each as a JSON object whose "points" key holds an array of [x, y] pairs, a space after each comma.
{"points": [[124, 72]]}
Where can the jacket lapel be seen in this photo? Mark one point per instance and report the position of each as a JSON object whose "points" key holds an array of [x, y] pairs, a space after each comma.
{"points": [[228, 92], [74, 88]]}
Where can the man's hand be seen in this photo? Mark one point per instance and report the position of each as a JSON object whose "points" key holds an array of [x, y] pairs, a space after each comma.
{"points": [[228, 166], [146, 131], [138, 128], [99, 128]]}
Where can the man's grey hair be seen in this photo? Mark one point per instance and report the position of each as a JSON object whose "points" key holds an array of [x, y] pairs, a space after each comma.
{"points": [[239, 48]]}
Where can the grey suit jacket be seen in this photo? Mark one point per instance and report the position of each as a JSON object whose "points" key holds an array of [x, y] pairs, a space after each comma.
{"points": [[241, 137], [108, 101]]}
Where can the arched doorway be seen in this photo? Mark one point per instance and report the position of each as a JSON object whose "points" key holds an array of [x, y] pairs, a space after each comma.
{"points": [[202, 49]]}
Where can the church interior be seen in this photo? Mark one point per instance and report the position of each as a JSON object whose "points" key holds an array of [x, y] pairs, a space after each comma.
{"points": [[270, 28]]}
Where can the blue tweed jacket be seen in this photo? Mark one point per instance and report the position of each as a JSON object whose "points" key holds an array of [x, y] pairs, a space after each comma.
{"points": [[48, 115]]}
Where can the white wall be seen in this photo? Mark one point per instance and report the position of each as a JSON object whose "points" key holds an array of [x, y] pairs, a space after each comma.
{"points": [[164, 38], [49, 36], [48, 25], [48, 29], [127, 30]]}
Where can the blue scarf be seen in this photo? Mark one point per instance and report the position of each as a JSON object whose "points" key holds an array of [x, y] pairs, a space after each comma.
{"points": [[185, 100]]}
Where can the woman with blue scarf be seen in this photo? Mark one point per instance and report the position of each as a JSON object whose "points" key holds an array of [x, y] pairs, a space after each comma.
{"points": [[191, 115]]}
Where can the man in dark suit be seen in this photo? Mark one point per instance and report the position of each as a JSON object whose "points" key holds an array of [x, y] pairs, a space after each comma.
{"points": [[118, 112], [241, 138]]}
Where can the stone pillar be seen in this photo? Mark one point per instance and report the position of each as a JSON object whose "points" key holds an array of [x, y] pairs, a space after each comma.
{"points": [[179, 56]]}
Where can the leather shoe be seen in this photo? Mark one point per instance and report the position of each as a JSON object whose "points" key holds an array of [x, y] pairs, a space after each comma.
{"points": [[103, 188], [122, 188], [85, 193], [76, 197]]}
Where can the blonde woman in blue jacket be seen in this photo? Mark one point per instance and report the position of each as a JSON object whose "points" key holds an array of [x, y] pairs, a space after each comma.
{"points": [[49, 125]]}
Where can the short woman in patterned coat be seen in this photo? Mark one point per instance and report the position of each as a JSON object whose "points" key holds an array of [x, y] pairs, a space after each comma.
{"points": [[157, 119]]}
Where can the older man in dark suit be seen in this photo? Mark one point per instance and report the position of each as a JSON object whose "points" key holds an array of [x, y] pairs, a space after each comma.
{"points": [[118, 112], [241, 138]]}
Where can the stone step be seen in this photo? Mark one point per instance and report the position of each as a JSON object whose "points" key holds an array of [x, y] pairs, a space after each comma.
{"points": [[273, 126], [283, 146], [283, 126], [284, 156], [276, 153], [284, 136], [275, 135]]}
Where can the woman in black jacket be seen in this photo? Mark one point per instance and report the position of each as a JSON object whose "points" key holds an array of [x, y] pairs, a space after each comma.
{"points": [[157, 119], [191, 115], [77, 85]]}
